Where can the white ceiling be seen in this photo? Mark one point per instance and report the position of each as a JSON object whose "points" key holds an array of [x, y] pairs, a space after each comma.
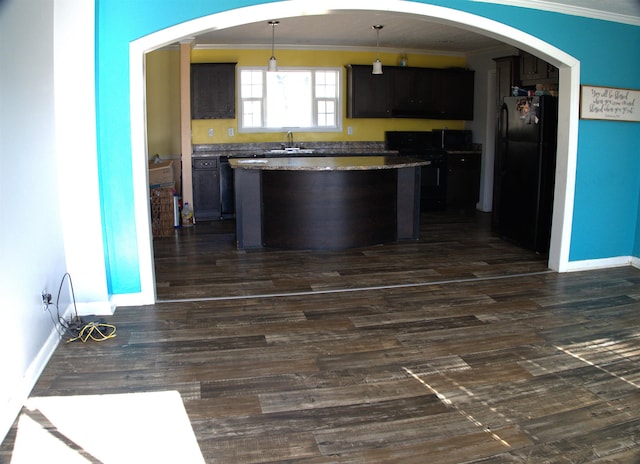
{"points": [[353, 29]]}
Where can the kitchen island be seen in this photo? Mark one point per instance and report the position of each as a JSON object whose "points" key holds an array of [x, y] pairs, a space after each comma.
{"points": [[327, 202]]}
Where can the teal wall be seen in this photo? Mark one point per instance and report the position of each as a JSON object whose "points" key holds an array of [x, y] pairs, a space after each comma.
{"points": [[636, 250], [607, 196]]}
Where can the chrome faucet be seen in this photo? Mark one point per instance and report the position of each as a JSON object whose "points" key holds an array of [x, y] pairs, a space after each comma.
{"points": [[290, 139]]}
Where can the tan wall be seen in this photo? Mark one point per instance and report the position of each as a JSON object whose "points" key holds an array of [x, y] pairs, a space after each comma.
{"points": [[163, 103]]}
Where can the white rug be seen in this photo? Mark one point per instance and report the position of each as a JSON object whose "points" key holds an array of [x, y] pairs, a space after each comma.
{"points": [[128, 428]]}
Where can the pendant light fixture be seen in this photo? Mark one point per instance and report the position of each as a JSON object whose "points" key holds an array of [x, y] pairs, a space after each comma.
{"points": [[377, 64], [273, 63]]}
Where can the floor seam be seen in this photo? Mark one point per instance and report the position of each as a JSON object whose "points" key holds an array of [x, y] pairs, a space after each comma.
{"points": [[358, 289]]}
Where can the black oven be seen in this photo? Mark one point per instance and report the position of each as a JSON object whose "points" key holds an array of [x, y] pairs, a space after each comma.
{"points": [[420, 144]]}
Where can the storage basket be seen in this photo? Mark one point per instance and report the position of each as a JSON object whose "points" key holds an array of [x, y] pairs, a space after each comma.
{"points": [[161, 212]]}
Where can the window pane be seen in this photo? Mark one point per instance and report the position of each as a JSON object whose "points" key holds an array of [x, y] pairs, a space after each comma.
{"points": [[326, 113], [252, 113], [326, 84], [251, 84], [289, 99]]}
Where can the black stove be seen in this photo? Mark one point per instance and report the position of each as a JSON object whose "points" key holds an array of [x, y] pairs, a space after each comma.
{"points": [[413, 143], [420, 144]]}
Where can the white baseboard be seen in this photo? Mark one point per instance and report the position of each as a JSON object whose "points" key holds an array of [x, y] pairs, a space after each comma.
{"points": [[98, 308], [133, 299], [23, 388], [592, 264]]}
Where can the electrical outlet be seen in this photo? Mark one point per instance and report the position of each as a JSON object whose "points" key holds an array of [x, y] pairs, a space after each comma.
{"points": [[46, 300], [230, 131], [349, 130], [210, 132]]}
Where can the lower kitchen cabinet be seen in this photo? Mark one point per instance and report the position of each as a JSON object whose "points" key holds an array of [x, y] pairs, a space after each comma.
{"points": [[206, 189], [463, 180]]}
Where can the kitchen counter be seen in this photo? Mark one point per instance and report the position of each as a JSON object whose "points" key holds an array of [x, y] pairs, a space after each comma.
{"points": [[326, 163], [463, 152], [326, 202], [262, 150]]}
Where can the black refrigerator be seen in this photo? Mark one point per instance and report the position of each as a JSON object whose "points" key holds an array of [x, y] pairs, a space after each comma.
{"points": [[525, 170]]}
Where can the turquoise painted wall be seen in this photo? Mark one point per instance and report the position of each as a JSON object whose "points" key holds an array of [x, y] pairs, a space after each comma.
{"points": [[636, 251], [607, 196]]}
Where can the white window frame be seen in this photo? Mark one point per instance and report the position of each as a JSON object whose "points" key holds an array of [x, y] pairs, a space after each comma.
{"points": [[315, 100]]}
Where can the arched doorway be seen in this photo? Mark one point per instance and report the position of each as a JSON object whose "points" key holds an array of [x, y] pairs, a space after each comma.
{"points": [[569, 69]]}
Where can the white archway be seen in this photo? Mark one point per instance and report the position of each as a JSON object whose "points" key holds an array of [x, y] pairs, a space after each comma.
{"points": [[569, 69]]}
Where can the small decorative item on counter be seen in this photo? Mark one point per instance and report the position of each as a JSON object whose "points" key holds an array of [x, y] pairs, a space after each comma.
{"points": [[518, 92], [187, 215]]}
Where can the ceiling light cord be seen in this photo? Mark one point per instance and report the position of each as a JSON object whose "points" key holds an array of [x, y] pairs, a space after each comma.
{"points": [[377, 64], [273, 63]]}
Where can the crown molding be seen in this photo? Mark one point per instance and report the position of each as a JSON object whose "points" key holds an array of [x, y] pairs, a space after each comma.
{"points": [[572, 10], [308, 47]]}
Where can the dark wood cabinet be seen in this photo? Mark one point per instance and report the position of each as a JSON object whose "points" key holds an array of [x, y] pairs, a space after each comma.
{"points": [[455, 94], [532, 67], [463, 180], [535, 70], [415, 93], [507, 76], [369, 95], [404, 92], [213, 93], [206, 189]]}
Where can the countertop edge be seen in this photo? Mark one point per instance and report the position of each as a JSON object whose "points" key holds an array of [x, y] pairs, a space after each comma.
{"points": [[326, 163]]}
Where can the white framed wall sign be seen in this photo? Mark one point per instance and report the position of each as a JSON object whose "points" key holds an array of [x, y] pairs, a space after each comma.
{"points": [[609, 103]]}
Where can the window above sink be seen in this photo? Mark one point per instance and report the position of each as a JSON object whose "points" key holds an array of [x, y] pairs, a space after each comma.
{"points": [[307, 99]]}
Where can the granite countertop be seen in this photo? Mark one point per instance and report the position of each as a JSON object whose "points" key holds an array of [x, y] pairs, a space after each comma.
{"points": [[317, 149], [463, 152], [326, 163]]}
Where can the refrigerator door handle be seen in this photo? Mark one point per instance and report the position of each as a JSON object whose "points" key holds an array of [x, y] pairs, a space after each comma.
{"points": [[503, 130], [503, 123]]}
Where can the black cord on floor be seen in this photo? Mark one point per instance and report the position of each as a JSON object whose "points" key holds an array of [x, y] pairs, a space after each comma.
{"points": [[76, 328]]}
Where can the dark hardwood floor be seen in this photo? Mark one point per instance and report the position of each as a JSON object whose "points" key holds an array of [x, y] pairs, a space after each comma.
{"points": [[459, 347], [202, 261]]}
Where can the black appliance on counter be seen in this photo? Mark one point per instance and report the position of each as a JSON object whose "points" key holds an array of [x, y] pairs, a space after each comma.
{"points": [[453, 139], [525, 170], [420, 144]]}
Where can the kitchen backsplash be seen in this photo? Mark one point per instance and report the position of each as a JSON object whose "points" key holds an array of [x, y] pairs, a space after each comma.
{"points": [[339, 146]]}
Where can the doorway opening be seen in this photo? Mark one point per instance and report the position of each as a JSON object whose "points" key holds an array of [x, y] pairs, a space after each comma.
{"points": [[567, 114]]}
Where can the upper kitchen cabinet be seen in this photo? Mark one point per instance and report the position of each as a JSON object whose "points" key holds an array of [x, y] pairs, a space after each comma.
{"points": [[534, 70], [369, 95], [507, 76], [414, 93], [213, 93], [456, 94], [404, 92]]}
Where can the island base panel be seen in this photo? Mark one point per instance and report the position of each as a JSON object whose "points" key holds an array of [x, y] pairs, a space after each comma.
{"points": [[328, 209], [248, 199]]}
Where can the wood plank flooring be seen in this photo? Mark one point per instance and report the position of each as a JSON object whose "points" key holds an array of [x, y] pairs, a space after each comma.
{"points": [[459, 347]]}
